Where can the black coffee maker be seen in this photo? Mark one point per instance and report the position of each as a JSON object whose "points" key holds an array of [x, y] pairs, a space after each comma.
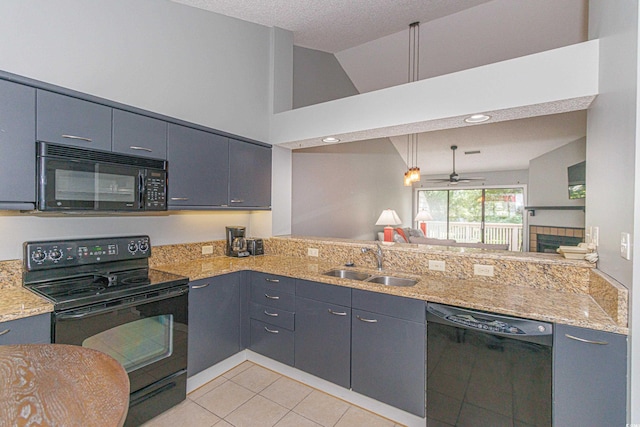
{"points": [[236, 243]]}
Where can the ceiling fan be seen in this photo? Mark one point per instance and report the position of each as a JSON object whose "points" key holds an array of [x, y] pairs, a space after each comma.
{"points": [[454, 178]]}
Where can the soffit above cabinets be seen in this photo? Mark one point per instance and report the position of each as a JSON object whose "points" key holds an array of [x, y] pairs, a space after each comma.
{"points": [[556, 81]]}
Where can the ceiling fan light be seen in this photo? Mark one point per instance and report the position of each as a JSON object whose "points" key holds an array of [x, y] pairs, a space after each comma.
{"points": [[477, 118]]}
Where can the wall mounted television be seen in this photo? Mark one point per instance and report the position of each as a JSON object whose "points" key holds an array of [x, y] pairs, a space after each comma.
{"points": [[577, 180]]}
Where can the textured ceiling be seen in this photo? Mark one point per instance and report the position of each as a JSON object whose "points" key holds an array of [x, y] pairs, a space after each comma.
{"points": [[335, 25]]}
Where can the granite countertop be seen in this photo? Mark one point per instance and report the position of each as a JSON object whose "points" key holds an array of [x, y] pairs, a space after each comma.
{"points": [[541, 304], [15, 301]]}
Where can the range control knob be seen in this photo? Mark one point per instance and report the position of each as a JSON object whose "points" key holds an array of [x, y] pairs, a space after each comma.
{"points": [[55, 254], [133, 247], [144, 246], [38, 256]]}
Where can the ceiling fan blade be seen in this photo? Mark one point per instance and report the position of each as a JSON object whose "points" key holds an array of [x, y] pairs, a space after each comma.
{"points": [[437, 180]]}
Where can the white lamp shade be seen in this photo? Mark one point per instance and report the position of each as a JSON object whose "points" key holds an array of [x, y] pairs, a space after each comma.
{"points": [[423, 216], [389, 217]]}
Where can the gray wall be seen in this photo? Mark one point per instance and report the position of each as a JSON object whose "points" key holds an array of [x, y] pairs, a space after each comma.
{"points": [[548, 184], [340, 190], [318, 77], [153, 54], [612, 159]]}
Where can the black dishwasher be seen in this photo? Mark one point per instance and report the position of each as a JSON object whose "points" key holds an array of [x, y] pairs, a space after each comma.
{"points": [[486, 370]]}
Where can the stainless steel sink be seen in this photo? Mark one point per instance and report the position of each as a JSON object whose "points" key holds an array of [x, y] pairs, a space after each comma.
{"points": [[347, 274], [391, 281]]}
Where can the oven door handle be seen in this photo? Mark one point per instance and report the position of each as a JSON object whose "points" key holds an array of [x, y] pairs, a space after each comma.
{"points": [[80, 314]]}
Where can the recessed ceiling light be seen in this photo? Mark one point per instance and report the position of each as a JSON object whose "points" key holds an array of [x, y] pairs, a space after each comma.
{"points": [[330, 139], [477, 118]]}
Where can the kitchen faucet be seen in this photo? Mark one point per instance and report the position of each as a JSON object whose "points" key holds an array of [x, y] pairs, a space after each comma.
{"points": [[378, 253]]}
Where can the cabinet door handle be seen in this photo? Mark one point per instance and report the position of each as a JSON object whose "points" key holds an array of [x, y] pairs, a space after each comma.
{"points": [[237, 200], [179, 198], [80, 138], [337, 313], [367, 320], [585, 340], [272, 280], [271, 314], [5, 332], [204, 285], [271, 331], [134, 147], [271, 297]]}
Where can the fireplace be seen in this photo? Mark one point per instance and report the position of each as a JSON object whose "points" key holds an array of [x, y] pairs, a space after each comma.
{"points": [[548, 239]]}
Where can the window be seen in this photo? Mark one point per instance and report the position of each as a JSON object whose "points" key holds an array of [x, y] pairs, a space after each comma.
{"points": [[484, 215]]}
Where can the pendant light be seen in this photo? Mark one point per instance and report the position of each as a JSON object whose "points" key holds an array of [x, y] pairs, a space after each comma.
{"points": [[413, 173]]}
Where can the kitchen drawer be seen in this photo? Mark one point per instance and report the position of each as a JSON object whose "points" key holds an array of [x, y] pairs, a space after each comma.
{"points": [[272, 296], [28, 330], [324, 292], [390, 305], [282, 283], [271, 341], [273, 316]]}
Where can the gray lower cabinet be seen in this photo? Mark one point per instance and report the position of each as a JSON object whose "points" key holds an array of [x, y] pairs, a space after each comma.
{"points": [[139, 135], [323, 331], [17, 145], [214, 321], [272, 316], [27, 330], [249, 175], [388, 349], [71, 121], [589, 377], [198, 168]]}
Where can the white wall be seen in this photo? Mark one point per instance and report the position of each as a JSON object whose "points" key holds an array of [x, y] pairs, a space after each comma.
{"points": [[152, 54], [340, 190], [548, 186], [612, 135]]}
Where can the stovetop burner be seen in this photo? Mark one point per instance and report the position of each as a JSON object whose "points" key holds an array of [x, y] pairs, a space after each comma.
{"points": [[75, 273]]}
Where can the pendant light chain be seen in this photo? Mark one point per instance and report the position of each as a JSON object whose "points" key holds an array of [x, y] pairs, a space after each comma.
{"points": [[413, 173]]}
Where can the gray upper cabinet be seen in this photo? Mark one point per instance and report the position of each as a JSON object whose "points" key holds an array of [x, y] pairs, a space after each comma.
{"points": [[71, 121], [28, 330], [589, 377], [388, 349], [198, 168], [139, 135], [214, 321], [17, 145], [249, 175]]}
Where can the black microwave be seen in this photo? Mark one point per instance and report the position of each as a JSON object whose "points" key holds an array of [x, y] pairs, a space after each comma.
{"points": [[79, 179]]}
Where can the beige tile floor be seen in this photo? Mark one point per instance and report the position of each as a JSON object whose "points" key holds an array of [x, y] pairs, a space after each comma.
{"points": [[250, 395]]}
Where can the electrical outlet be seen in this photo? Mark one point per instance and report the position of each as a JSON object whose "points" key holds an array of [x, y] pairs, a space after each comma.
{"points": [[207, 250], [436, 265], [312, 252], [625, 245], [483, 270]]}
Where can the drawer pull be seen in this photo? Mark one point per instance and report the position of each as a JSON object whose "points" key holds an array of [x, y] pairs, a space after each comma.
{"points": [[272, 280], [204, 285], [5, 332], [586, 341], [80, 138], [362, 319], [271, 331], [179, 199], [271, 314], [237, 200], [134, 147], [337, 313], [271, 297]]}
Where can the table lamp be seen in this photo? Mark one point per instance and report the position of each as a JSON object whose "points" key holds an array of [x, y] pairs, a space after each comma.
{"points": [[388, 217], [421, 218]]}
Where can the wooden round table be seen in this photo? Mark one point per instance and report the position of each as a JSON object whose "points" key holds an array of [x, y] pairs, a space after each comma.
{"points": [[61, 385]]}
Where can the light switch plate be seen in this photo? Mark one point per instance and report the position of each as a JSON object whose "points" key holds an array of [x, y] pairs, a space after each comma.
{"points": [[207, 250], [625, 245], [312, 252], [436, 265], [595, 235]]}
